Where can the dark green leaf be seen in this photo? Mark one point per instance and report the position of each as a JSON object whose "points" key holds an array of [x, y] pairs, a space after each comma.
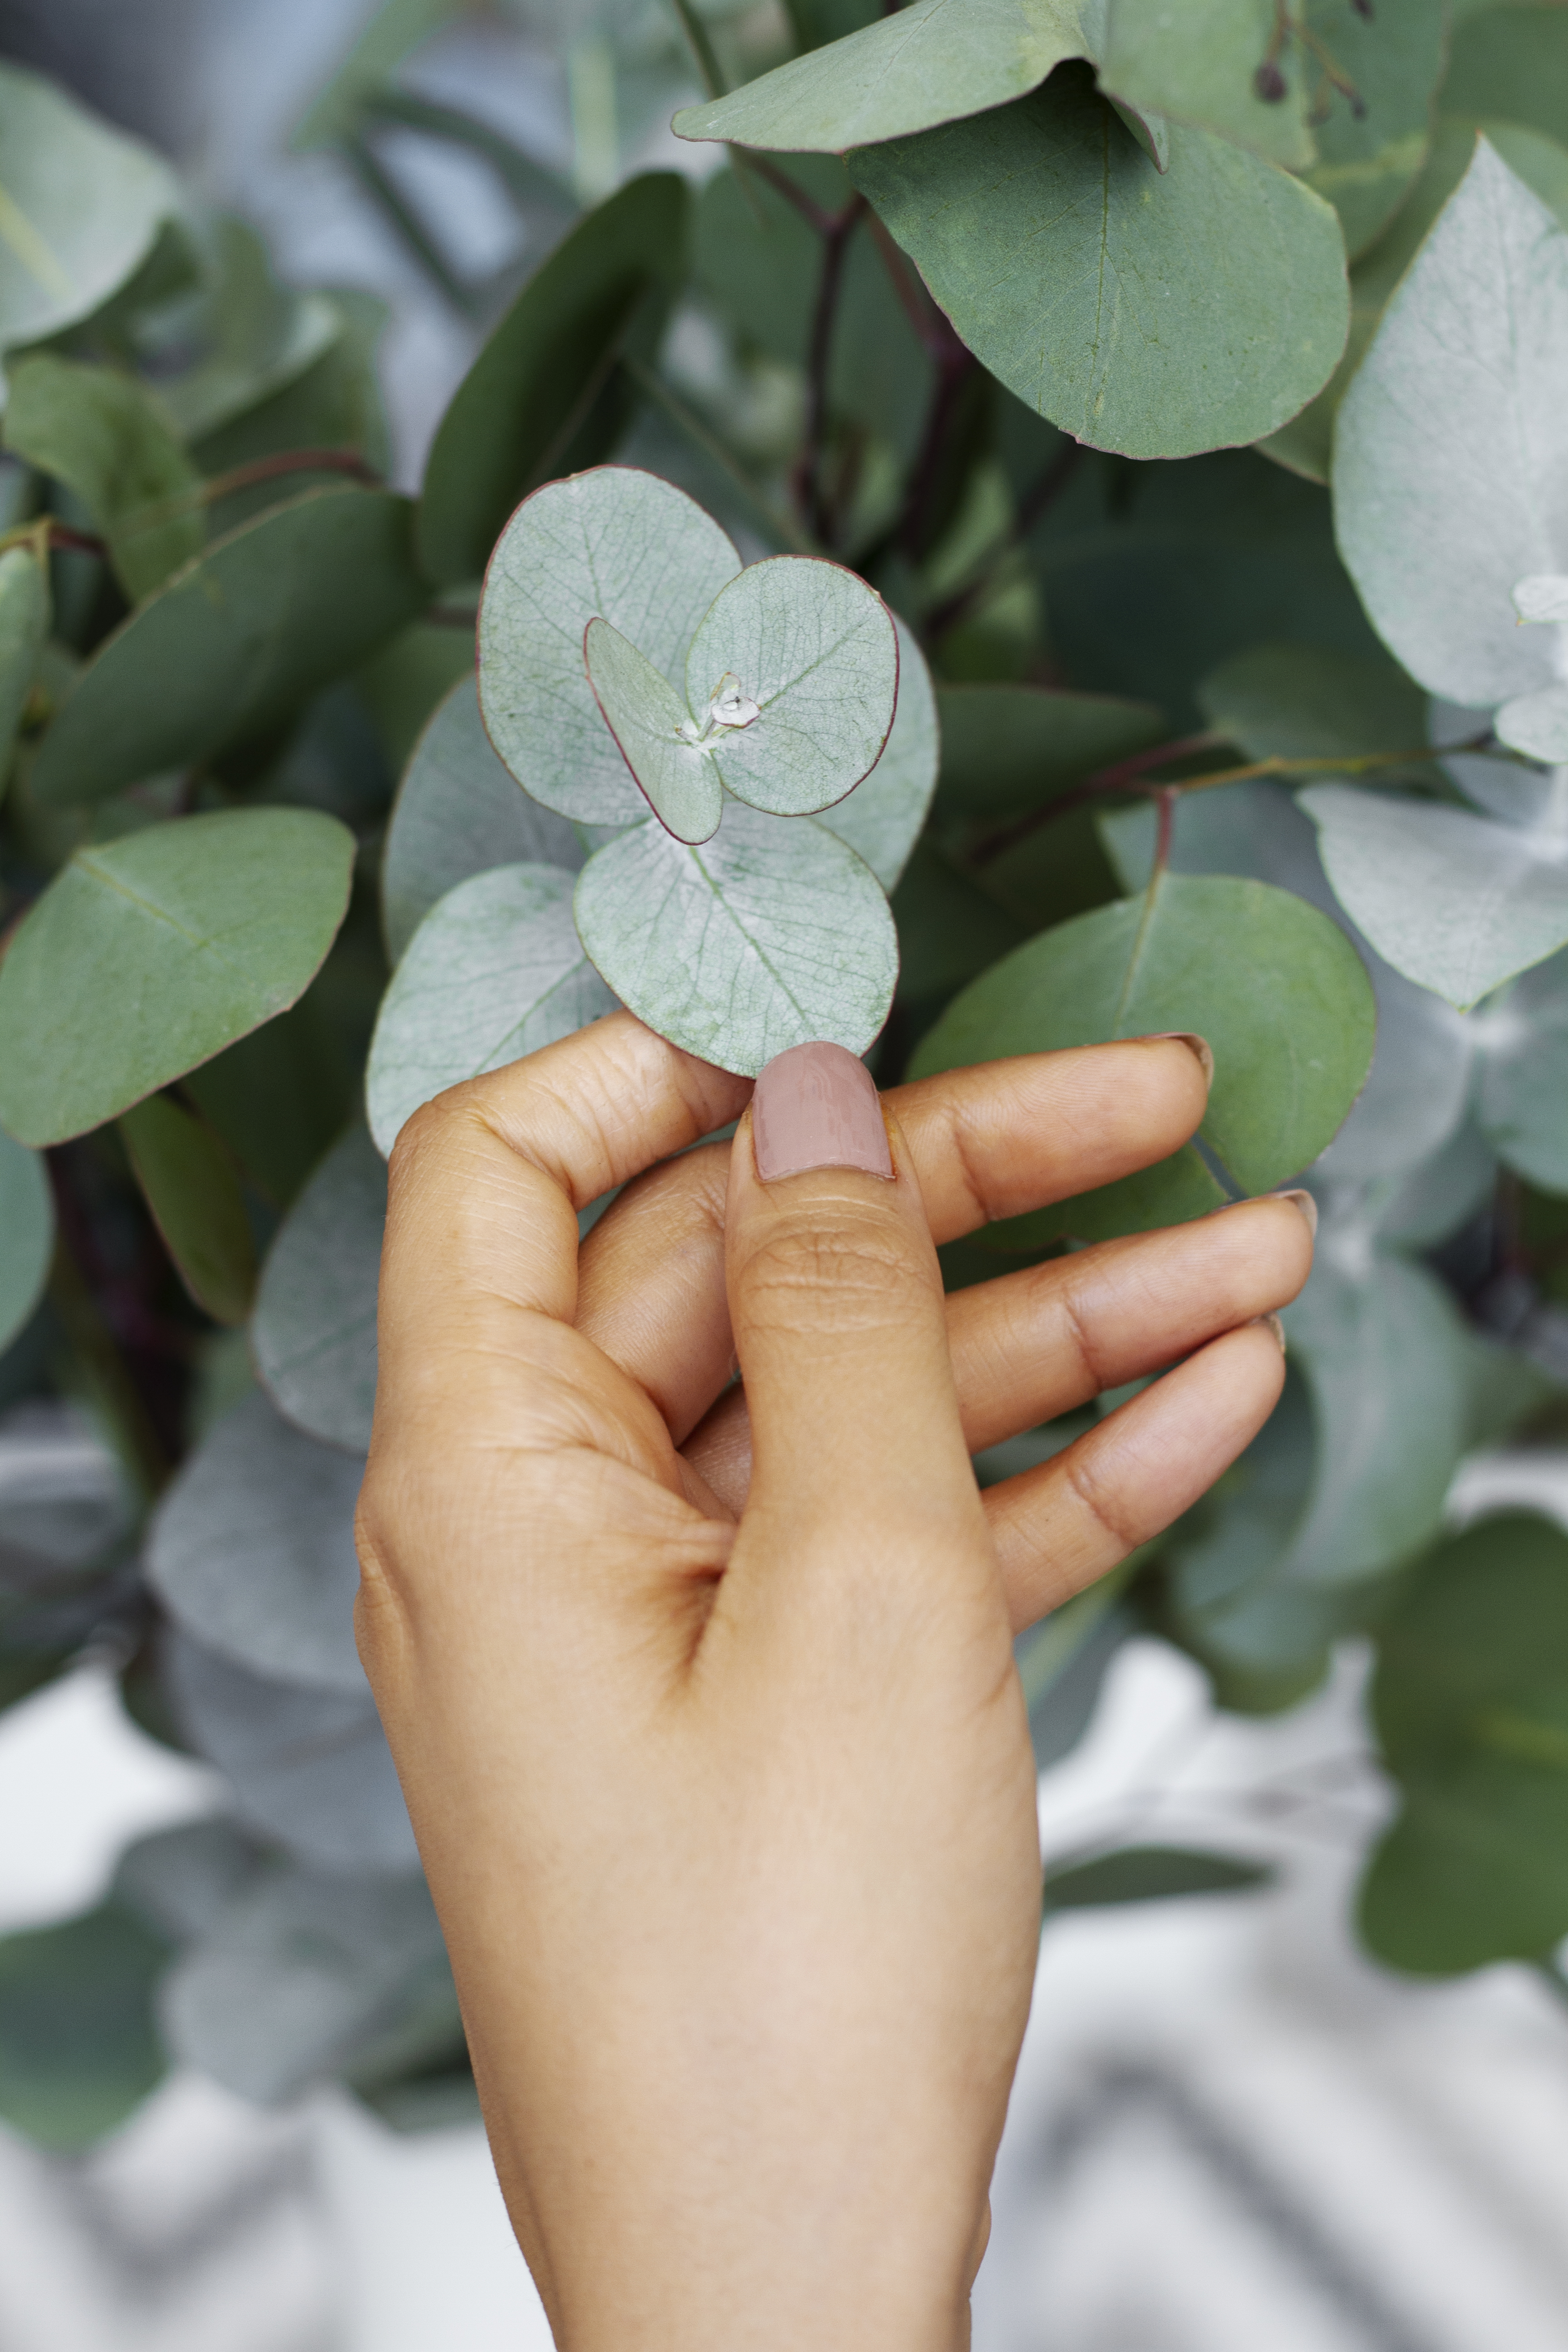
{"points": [[191, 1186], [1186, 310], [1295, 701], [1147, 1874], [882, 818], [515, 420], [314, 1334], [79, 2048], [230, 651], [24, 625], [1008, 749], [1511, 63], [27, 1235], [257, 335], [149, 955], [948, 929], [104, 435]]}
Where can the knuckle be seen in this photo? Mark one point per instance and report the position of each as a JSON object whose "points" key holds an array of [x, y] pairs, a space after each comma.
{"points": [[837, 1274]]}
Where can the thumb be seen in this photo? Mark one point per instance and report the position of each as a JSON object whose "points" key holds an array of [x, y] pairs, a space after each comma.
{"points": [[835, 1300]]}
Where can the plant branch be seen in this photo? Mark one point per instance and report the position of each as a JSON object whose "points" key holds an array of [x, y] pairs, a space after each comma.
{"points": [[773, 525], [1035, 502], [792, 192], [810, 495], [702, 46], [44, 532], [107, 1370]]}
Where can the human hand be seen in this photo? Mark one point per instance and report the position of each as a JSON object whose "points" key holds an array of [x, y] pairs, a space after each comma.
{"points": [[706, 1713]]}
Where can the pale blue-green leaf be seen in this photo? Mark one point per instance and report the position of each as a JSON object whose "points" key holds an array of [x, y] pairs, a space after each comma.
{"points": [[771, 935], [1442, 1192], [313, 1333], [308, 1769], [881, 819], [179, 1879], [27, 1235], [80, 205], [1457, 903], [149, 954], [615, 543], [1127, 307], [300, 1975], [24, 625], [931, 63], [814, 649], [1450, 472], [253, 1549], [460, 812], [1414, 1097], [1542, 598], [1493, 780], [495, 971], [1536, 724], [1522, 1095], [653, 731]]}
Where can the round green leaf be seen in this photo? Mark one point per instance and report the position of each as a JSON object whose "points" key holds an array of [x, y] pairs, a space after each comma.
{"points": [[770, 935], [889, 79], [882, 818], [79, 2046], [27, 1235], [1441, 505], [228, 651], [191, 1183], [813, 647], [519, 410], [148, 955], [1276, 988], [253, 1549], [459, 812], [314, 1331], [614, 544], [1156, 315], [104, 435], [80, 205], [1458, 903], [24, 625], [653, 731], [495, 971]]}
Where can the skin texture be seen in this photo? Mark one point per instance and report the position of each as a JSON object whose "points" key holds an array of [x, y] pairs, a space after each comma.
{"points": [[702, 1698]]}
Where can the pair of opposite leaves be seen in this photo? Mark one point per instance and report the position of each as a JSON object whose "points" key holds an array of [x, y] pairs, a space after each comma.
{"points": [[789, 667], [1537, 724]]}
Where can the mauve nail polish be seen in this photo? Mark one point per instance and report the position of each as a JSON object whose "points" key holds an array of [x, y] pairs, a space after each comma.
{"points": [[815, 1106]]}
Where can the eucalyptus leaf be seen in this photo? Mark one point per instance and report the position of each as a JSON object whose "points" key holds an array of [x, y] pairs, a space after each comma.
{"points": [[80, 206], [771, 935], [314, 1330], [300, 1976], [460, 812], [178, 1879], [949, 928], [614, 544], [495, 971], [27, 1235], [79, 2048], [1297, 701], [1442, 506], [1456, 902], [149, 955], [253, 1551], [882, 818], [1536, 724], [229, 650], [1147, 1874], [258, 336], [1543, 598], [105, 437], [191, 1184], [309, 1769], [1198, 65], [519, 413], [393, 29], [1521, 1093], [1370, 151], [1275, 987], [24, 625], [1009, 748], [1162, 329], [889, 80], [654, 734], [1511, 64]]}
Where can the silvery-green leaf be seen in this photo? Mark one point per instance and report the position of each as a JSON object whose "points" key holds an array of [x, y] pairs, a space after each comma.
{"points": [[1542, 598], [64, 1502], [81, 205], [1522, 1095], [1441, 1194], [813, 647], [308, 1769], [615, 543], [882, 818], [770, 935], [180, 1878], [313, 1334], [298, 1976], [653, 731], [1454, 902], [889, 80], [1442, 503], [495, 971], [253, 1549], [27, 1235], [1521, 796], [24, 625], [460, 812], [1536, 724]]}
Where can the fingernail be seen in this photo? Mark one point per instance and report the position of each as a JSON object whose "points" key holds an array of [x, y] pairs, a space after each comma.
{"points": [[817, 1107], [1305, 1203], [1275, 1326], [1192, 1041]]}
